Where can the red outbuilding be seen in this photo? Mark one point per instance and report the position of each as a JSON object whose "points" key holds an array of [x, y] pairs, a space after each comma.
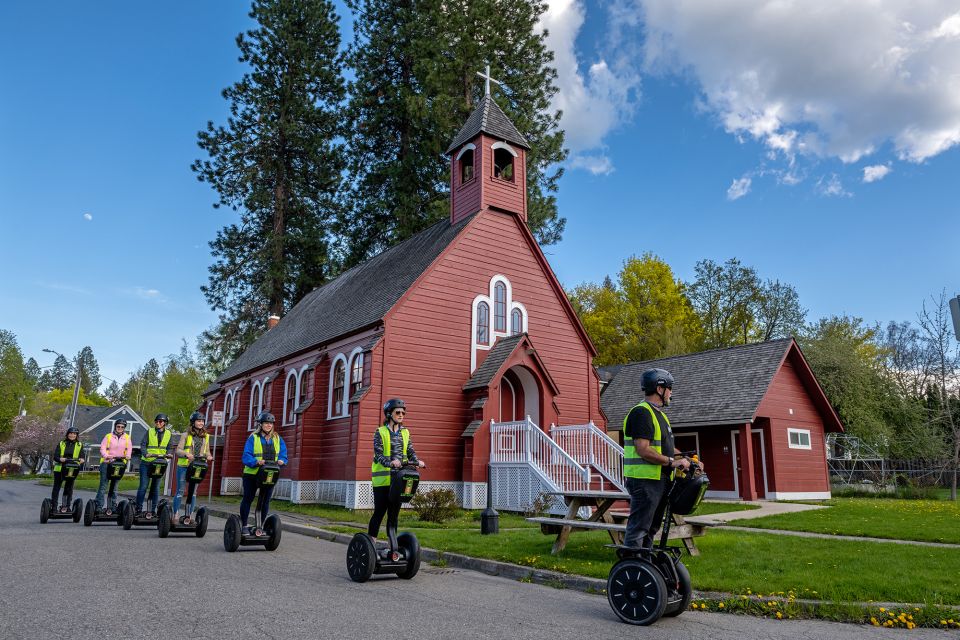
{"points": [[755, 413], [465, 321]]}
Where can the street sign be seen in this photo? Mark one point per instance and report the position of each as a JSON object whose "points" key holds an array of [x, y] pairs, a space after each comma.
{"points": [[955, 312], [217, 419]]}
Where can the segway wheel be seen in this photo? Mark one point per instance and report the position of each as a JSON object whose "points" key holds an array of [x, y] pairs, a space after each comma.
{"points": [[685, 591], [361, 558], [45, 507], [126, 516], [118, 511], [273, 528], [88, 510], [411, 551], [163, 521], [201, 520], [231, 534], [77, 510], [636, 592]]}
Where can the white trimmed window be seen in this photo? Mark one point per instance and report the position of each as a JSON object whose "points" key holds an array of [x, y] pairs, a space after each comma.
{"points": [[230, 405], [256, 404], [798, 438], [291, 394], [509, 317], [338, 387], [356, 373], [483, 323], [306, 386]]}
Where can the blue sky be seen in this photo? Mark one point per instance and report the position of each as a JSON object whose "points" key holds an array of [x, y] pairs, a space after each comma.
{"points": [[692, 147]]}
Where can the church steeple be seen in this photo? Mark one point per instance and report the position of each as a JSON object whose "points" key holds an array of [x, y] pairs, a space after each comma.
{"points": [[488, 163]]}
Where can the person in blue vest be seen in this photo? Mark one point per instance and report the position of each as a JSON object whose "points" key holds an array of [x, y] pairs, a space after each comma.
{"points": [[69, 447], [195, 443], [263, 445], [391, 447], [154, 445], [648, 458]]}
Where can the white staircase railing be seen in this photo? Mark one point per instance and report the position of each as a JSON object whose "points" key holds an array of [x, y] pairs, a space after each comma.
{"points": [[524, 442], [591, 447]]}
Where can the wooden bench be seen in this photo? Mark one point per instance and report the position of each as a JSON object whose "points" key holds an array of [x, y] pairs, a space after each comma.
{"points": [[603, 519]]}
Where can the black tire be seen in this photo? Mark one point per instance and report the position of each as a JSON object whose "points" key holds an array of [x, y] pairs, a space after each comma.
{"points": [[685, 591], [231, 534], [163, 521], [636, 592], [201, 520], [361, 557], [121, 506], [45, 507], [77, 510], [126, 516], [88, 511], [411, 550], [273, 528]]}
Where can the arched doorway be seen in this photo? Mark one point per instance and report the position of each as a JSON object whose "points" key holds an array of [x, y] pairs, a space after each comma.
{"points": [[520, 395]]}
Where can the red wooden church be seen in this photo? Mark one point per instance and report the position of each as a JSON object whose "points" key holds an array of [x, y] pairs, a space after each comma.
{"points": [[465, 321], [755, 413]]}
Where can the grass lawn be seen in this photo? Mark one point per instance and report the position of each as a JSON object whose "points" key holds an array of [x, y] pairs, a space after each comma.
{"points": [[736, 562], [924, 520], [90, 481]]}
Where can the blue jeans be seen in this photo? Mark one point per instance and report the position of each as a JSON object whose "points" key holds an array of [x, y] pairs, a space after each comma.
{"points": [[104, 481], [142, 489], [181, 488]]}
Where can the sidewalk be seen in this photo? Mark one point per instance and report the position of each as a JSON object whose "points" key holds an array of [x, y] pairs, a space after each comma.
{"points": [[767, 508]]}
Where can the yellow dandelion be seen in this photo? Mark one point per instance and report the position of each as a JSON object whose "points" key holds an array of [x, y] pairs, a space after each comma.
{"points": [[779, 616], [720, 606], [882, 610]]}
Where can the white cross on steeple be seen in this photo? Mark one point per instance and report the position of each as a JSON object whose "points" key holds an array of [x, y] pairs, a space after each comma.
{"points": [[486, 76]]}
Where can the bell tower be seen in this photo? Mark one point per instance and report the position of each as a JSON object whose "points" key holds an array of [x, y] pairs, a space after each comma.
{"points": [[488, 163]]}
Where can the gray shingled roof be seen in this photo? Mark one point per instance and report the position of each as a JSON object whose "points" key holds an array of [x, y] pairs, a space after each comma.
{"points": [[721, 386], [498, 355], [488, 118], [356, 299]]}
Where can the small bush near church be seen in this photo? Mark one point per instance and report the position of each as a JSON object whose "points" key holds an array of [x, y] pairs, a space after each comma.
{"points": [[435, 505]]}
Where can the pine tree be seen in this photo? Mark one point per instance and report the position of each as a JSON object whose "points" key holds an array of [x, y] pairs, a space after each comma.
{"points": [[62, 375], [45, 383], [14, 383], [415, 64], [113, 393], [32, 370], [278, 163], [89, 371]]}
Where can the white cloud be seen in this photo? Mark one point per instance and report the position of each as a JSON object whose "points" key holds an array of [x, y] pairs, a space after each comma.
{"points": [[831, 186], [60, 286], [739, 188], [596, 102], [597, 164], [88, 216], [827, 78], [875, 172]]}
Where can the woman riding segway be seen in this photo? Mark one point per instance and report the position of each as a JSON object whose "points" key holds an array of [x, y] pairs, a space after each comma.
{"points": [[395, 480], [194, 455], [115, 452], [66, 468], [153, 466], [263, 455]]}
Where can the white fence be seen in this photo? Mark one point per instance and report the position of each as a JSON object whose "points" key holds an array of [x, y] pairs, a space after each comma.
{"points": [[592, 448]]}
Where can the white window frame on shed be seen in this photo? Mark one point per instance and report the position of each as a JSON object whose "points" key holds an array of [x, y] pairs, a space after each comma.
{"points": [[286, 398], [492, 334], [799, 444], [341, 357], [252, 417]]}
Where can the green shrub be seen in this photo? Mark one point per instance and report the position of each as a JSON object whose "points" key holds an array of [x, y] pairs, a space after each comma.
{"points": [[435, 505]]}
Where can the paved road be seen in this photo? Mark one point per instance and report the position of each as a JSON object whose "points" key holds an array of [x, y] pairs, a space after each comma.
{"points": [[63, 580]]}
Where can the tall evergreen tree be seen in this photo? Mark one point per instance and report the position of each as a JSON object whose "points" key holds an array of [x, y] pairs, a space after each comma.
{"points": [[90, 379], [415, 64], [278, 163], [113, 393], [45, 383], [14, 383], [32, 371], [61, 377]]}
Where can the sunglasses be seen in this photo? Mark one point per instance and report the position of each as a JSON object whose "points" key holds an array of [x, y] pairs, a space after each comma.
{"points": [[399, 412]]}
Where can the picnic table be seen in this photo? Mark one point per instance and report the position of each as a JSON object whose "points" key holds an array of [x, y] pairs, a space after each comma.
{"points": [[604, 519]]}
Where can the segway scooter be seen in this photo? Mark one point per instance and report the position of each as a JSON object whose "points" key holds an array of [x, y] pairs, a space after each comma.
{"points": [[148, 517], [402, 557], [109, 513], [69, 470], [647, 584], [192, 521], [265, 533]]}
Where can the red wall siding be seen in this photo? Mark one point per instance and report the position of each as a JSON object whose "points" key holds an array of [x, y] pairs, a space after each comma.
{"points": [[466, 198], [428, 337], [793, 469]]}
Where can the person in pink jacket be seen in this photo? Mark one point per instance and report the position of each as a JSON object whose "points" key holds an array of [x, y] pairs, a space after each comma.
{"points": [[113, 446]]}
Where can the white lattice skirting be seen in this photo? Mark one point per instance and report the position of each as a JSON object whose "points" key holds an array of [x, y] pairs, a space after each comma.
{"points": [[516, 487], [355, 495]]}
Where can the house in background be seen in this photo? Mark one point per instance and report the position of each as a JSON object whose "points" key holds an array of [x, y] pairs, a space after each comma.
{"points": [[465, 321], [755, 413], [96, 422]]}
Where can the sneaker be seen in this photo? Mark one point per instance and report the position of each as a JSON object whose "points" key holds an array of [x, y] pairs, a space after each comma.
{"points": [[247, 531]]}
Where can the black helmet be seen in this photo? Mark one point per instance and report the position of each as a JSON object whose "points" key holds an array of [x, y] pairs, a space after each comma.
{"points": [[653, 378], [196, 415], [161, 416], [73, 430], [266, 416], [118, 422], [393, 403]]}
